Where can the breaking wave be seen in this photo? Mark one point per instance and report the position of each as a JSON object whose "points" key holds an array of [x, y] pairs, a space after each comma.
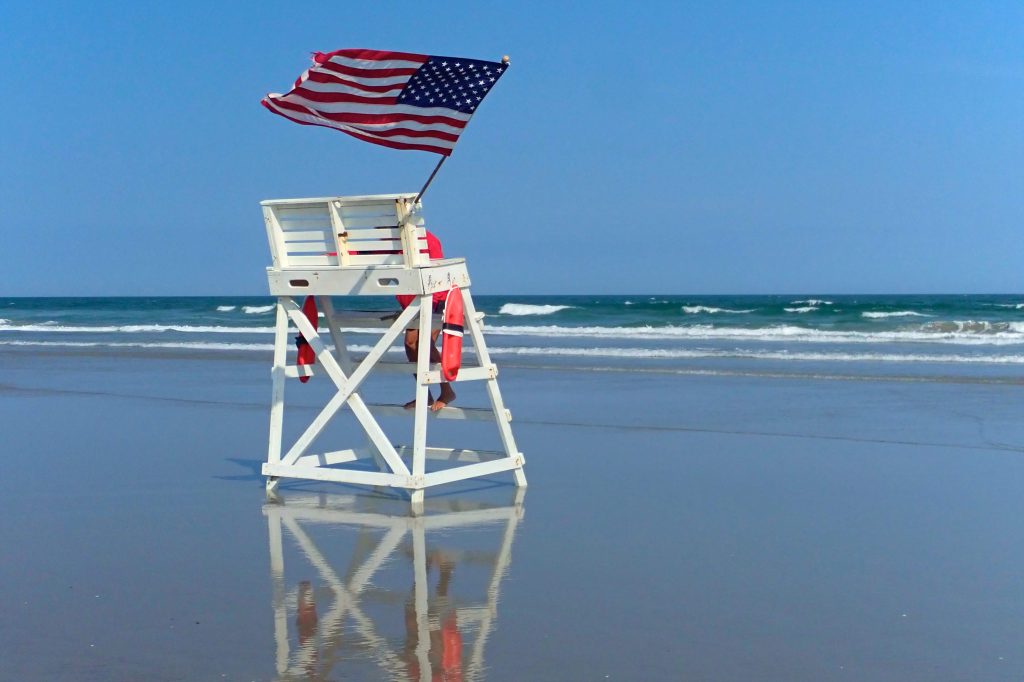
{"points": [[696, 309], [225, 308], [962, 333], [656, 353], [898, 313], [626, 353], [802, 309], [257, 309], [527, 309]]}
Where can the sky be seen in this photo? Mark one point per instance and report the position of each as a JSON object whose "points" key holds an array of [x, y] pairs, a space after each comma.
{"points": [[677, 147]]}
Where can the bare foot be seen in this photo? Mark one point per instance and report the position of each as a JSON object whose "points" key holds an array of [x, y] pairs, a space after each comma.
{"points": [[412, 403], [446, 398]]}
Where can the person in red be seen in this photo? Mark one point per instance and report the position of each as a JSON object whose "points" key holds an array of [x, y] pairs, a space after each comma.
{"points": [[412, 336]]}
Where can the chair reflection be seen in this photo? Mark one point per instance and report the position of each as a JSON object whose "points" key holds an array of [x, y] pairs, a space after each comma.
{"points": [[429, 623]]}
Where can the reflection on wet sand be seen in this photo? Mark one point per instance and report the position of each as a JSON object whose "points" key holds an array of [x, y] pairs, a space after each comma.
{"points": [[349, 605]]}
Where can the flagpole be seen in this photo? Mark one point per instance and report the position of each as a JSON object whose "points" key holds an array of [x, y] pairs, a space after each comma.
{"points": [[430, 179]]}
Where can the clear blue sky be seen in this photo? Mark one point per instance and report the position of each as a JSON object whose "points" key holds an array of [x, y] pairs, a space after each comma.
{"points": [[698, 147]]}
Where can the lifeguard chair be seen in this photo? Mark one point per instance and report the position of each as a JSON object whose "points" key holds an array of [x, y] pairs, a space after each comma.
{"points": [[371, 246]]}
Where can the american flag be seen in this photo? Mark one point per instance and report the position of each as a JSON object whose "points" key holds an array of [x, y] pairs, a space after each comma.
{"points": [[395, 99]]}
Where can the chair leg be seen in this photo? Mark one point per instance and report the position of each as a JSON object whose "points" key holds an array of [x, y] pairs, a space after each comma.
{"points": [[277, 392], [419, 437]]}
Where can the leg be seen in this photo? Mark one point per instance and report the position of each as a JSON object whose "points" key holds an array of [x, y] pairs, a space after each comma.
{"points": [[447, 395], [412, 346]]}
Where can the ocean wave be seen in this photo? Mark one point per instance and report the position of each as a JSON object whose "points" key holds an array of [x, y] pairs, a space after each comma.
{"points": [[628, 303], [973, 327], [696, 309], [1012, 334], [257, 309], [946, 332], [802, 309], [811, 302], [527, 309], [225, 308], [171, 345], [156, 329], [671, 353], [1015, 306], [541, 351], [897, 313], [4, 322], [54, 328]]}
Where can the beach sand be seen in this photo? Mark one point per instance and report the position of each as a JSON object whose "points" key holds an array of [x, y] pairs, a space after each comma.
{"points": [[676, 527]]}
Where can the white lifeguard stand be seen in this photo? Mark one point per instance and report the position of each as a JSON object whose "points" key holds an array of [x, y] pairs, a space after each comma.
{"points": [[371, 246]]}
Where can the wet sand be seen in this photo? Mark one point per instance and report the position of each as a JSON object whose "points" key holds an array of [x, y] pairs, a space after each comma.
{"points": [[675, 527]]}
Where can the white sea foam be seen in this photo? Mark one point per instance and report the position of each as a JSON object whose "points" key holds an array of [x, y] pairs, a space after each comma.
{"points": [[225, 308], [176, 345], [257, 309], [811, 302], [802, 309], [696, 309], [896, 313], [1015, 306], [540, 351], [54, 328], [628, 303], [665, 353], [1008, 334], [527, 309], [962, 332], [973, 327], [4, 322]]}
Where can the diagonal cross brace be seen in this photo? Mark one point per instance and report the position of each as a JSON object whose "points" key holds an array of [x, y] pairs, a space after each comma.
{"points": [[347, 387]]}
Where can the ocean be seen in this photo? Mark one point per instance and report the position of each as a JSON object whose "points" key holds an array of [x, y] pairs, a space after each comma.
{"points": [[964, 337]]}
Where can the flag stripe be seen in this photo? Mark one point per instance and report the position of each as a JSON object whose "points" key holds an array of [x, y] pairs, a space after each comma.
{"points": [[335, 96], [366, 119], [383, 131], [407, 125], [309, 119], [325, 79], [371, 64], [423, 114], [368, 73], [374, 55], [399, 81]]}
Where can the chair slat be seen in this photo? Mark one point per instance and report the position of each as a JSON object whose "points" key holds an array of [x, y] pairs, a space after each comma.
{"points": [[323, 260], [378, 245], [376, 260], [302, 225], [382, 233], [309, 247], [300, 212], [306, 235]]}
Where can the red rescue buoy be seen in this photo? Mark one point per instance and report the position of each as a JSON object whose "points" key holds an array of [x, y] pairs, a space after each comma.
{"points": [[307, 356], [451, 341]]}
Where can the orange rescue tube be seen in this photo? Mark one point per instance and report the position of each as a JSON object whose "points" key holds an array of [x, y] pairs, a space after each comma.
{"points": [[306, 354], [451, 330]]}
